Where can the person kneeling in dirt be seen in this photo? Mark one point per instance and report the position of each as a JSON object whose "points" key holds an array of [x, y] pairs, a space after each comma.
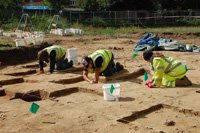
{"points": [[101, 62], [168, 72], [56, 56]]}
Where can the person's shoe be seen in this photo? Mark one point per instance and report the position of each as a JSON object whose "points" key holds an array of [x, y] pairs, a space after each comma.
{"points": [[71, 63], [183, 82], [119, 67]]}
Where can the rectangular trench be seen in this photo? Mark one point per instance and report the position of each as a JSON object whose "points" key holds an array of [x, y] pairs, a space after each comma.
{"points": [[139, 114]]}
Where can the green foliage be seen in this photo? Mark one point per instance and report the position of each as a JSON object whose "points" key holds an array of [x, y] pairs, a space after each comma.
{"points": [[10, 24], [93, 5], [7, 8], [40, 23], [189, 21], [57, 4], [7, 46], [9, 3], [156, 5], [98, 22]]}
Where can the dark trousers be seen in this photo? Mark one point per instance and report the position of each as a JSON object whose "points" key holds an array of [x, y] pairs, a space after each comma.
{"points": [[110, 68], [63, 64]]}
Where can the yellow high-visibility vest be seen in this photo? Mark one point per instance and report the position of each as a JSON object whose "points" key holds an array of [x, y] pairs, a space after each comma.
{"points": [[60, 51], [167, 70], [105, 54]]}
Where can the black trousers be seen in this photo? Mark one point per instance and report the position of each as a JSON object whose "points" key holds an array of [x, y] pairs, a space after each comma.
{"points": [[110, 68]]}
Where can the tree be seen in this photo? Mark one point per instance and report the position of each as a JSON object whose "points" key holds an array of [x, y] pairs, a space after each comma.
{"points": [[93, 5], [133, 4], [57, 4], [154, 5], [9, 3]]}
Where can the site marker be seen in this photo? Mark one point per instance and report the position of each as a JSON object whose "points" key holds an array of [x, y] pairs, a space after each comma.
{"points": [[34, 108], [145, 76], [186, 68], [136, 50], [112, 88], [134, 55]]}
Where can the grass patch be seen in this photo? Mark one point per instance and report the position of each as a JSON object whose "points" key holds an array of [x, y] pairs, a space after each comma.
{"points": [[114, 31], [41, 23], [8, 48], [7, 44]]}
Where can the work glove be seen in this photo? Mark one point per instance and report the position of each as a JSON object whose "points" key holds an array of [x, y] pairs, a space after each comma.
{"points": [[149, 84]]}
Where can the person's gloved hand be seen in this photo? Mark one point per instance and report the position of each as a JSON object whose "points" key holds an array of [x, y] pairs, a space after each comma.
{"points": [[149, 84]]}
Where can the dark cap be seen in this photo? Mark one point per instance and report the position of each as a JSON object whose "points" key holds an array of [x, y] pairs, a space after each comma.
{"points": [[147, 54], [43, 55]]}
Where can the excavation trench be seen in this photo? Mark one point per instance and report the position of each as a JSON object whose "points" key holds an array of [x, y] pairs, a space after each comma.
{"points": [[69, 80], [14, 80], [42, 94], [142, 113], [29, 72]]}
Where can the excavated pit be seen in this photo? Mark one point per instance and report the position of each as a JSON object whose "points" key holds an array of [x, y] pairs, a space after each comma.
{"points": [[142, 113], [29, 72], [13, 80], [42, 94], [69, 81], [30, 96]]}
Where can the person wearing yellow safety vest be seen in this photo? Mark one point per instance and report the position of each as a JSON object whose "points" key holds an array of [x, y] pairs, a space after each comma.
{"points": [[101, 62], [55, 55], [168, 72]]}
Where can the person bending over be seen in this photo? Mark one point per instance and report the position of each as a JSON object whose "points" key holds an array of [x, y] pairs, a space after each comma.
{"points": [[168, 72], [100, 62]]}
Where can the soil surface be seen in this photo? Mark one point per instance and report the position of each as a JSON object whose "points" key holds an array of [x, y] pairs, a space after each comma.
{"points": [[70, 104]]}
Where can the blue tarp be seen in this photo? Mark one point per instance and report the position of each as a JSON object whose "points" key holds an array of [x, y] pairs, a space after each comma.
{"points": [[150, 40], [35, 7], [153, 41]]}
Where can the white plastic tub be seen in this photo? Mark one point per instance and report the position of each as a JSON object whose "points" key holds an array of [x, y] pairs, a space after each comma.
{"points": [[20, 42], [107, 93], [72, 55]]}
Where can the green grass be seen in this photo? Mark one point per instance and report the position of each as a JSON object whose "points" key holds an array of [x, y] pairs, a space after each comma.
{"points": [[41, 23], [113, 31], [7, 43], [170, 29]]}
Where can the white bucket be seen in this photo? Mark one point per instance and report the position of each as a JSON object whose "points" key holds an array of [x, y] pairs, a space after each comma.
{"points": [[73, 31], [53, 31], [20, 42], [107, 94], [196, 50], [72, 55], [59, 32]]}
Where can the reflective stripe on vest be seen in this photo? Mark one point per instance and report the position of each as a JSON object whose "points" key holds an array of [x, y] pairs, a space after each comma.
{"points": [[105, 54], [60, 52], [159, 68], [169, 67], [170, 83]]}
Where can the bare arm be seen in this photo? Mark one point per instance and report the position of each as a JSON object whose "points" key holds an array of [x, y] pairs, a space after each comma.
{"points": [[97, 72], [85, 76]]}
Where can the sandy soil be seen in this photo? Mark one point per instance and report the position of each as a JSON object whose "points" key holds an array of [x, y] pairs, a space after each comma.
{"points": [[70, 105]]}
